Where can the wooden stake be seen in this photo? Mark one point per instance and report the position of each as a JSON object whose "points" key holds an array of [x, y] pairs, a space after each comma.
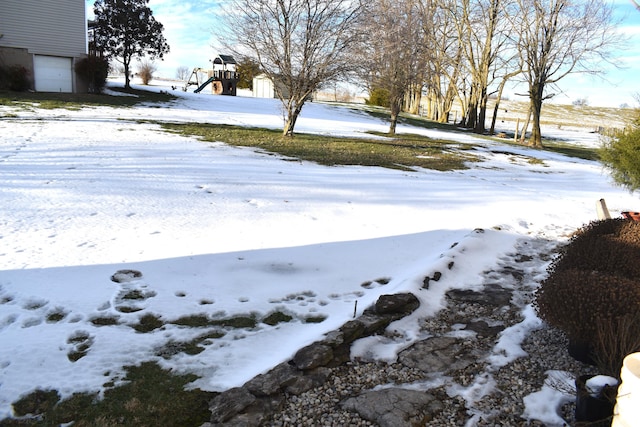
{"points": [[601, 208]]}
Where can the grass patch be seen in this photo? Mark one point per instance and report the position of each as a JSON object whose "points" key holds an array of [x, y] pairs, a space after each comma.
{"points": [[315, 319], [150, 397], [277, 317], [404, 152], [148, 322], [202, 320], [134, 294], [56, 315], [105, 320], [76, 101], [237, 322], [570, 150], [193, 321], [126, 309], [192, 347]]}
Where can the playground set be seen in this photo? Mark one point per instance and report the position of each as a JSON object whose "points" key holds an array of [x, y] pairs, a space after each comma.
{"points": [[223, 77]]}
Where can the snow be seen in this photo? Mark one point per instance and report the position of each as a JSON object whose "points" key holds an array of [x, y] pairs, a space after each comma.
{"points": [[225, 231]]}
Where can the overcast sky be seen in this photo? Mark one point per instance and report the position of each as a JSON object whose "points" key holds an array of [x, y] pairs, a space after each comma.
{"points": [[189, 26]]}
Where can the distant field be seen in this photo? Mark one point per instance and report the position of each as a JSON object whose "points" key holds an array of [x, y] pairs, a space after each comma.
{"points": [[569, 116]]}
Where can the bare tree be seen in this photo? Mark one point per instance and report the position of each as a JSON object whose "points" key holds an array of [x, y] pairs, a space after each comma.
{"points": [[182, 72], [482, 36], [392, 56], [444, 63], [299, 44], [559, 37]]}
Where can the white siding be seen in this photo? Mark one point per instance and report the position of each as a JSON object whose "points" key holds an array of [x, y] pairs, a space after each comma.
{"points": [[46, 27], [262, 87]]}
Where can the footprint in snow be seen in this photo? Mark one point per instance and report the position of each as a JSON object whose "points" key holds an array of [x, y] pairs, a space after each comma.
{"points": [[133, 291]]}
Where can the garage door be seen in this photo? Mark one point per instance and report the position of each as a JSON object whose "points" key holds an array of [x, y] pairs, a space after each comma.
{"points": [[52, 74]]}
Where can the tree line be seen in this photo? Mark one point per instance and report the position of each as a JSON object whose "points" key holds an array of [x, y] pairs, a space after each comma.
{"points": [[424, 51], [415, 52]]}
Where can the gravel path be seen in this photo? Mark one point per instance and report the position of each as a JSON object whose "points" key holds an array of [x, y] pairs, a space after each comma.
{"points": [[503, 406]]}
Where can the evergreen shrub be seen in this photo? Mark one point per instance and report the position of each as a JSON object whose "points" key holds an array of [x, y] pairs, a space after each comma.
{"points": [[15, 77], [94, 71], [621, 156], [379, 97]]}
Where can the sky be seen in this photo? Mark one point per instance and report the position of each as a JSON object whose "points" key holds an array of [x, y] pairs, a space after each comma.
{"points": [[220, 231], [188, 29]]}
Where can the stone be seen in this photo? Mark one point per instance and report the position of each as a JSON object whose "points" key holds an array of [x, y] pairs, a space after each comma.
{"points": [[492, 295], [397, 304], [313, 356], [394, 407], [374, 323], [229, 404], [483, 329], [312, 379], [273, 381], [437, 354]]}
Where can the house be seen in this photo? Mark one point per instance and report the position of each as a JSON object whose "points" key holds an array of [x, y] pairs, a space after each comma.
{"points": [[47, 38]]}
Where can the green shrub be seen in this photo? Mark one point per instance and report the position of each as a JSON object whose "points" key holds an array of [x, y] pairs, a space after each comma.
{"points": [[379, 97], [621, 155], [94, 71]]}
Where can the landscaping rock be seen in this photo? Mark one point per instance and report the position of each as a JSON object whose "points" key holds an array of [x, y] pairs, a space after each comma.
{"points": [[398, 303], [438, 354], [492, 295], [252, 404], [273, 381], [230, 403], [313, 356], [304, 383], [394, 407]]}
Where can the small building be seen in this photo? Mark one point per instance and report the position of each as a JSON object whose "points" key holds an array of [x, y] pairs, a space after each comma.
{"points": [[47, 38], [264, 87]]}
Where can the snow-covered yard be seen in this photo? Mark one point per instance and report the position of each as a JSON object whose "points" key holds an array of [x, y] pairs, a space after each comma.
{"points": [[222, 231]]}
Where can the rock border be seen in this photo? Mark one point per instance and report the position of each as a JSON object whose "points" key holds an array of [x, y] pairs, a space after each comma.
{"points": [[258, 398]]}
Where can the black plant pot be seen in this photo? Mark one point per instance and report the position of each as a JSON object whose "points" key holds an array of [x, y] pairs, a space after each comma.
{"points": [[596, 410], [581, 351]]}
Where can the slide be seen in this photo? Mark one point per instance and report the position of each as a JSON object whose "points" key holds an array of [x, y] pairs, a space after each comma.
{"points": [[203, 85]]}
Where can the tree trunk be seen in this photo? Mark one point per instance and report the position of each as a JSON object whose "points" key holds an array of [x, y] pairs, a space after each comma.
{"points": [[536, 135], [535, 95], [498, 99], [526, 125], [127, 79], [413, 98], [292, 117], [482, 113], [396, 106]]}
